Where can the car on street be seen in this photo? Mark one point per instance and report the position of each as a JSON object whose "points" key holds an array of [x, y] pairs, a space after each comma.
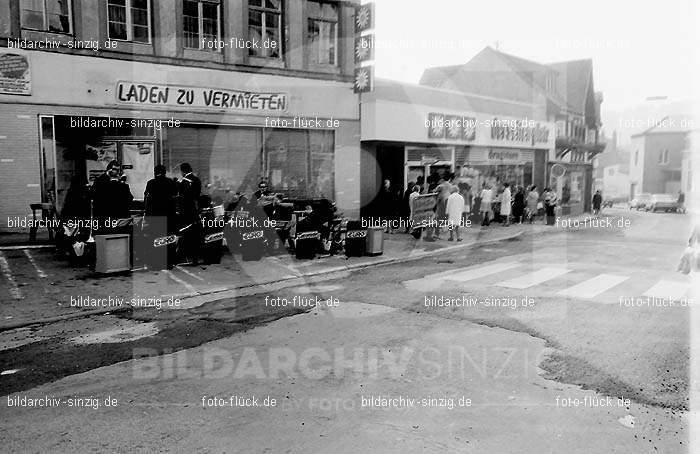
{"points": [[610, 201], [662, 202], [640, 201]]}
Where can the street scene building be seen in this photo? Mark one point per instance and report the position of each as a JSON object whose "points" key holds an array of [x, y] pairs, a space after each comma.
{"points": [[242, 93], [562, 93], [349, 226]]}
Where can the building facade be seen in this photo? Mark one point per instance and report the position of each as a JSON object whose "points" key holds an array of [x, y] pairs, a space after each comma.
{"points": [[656, 157], [562, 92], [244, 90], [411, 131]]}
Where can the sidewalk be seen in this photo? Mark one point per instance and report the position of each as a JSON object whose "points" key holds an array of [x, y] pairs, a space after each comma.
{"points": [[46, 289]]}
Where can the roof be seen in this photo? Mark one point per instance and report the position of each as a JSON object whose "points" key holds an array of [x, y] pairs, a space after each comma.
{"points": [[670, 124], [402, 92], [572, 81]]}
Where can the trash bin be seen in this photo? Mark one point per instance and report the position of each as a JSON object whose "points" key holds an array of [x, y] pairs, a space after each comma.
{"points": [[355, 239], [112, 253], [375, 241]]}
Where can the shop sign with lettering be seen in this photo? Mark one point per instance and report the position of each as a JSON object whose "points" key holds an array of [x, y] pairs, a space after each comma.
{"points": [[526, 132], [204, 98]]}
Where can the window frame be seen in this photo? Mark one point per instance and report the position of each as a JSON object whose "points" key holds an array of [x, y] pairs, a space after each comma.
{"points": [[263, 28], [309, 18], [129, 24], [45, 28], [200, 25]]}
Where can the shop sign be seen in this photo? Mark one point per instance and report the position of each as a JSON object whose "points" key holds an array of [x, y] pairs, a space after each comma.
{"points": [[15, 77], [205, 98], [504, 155], [453, 127], [527, 132], [423, 206]]}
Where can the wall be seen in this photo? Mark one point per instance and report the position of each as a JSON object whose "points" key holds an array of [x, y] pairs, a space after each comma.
{"points": [[656, 175]]}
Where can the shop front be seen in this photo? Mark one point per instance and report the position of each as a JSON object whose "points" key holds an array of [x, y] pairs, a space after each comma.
{"points": [[408, 142], [235, 129]]}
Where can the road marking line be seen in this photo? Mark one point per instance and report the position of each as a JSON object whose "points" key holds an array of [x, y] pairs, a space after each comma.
{"points": [[5, 267], [189, 273], [33, 262], [668, 289], [593, 287], [478, 271], [534, 278], [172, 276]]}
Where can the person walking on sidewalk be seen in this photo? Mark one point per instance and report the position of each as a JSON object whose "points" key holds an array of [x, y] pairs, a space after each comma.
{"points": [[485, 208], [455, 206], [597, 202], [550, 203], [533, 198], [190, 188], [505, 204], [518, 205]]}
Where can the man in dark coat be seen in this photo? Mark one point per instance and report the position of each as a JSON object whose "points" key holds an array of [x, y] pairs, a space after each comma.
{"points": [[189, 190], [161, 202], [597, 201], [111, 198]]}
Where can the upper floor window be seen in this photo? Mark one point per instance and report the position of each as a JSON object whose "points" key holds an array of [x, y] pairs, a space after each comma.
{"points": [[323, 32], [636, 157], [265, 27], [129, 20], [47, 15], [201, 24], [664, 157]]}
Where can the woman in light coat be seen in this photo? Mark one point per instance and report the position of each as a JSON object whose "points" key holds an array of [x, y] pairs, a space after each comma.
{"points": [[455, 206], [505, 203]]}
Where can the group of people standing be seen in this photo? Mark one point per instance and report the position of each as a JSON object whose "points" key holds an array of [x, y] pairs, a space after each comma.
{"points": [[169, 205]]}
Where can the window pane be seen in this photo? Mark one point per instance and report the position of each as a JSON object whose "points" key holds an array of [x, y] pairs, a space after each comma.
{"points": [[140, 34], [140, 4], [58, 15], [255, 19], [139, 17], [190, 24], [273, 33], [117, 30], [255, 3], [117, 2], [32, 14], [332, 44], [210, 22], [274, 4], [117, 14]]}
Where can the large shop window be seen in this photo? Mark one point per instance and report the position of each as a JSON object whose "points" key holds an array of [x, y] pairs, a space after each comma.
{"points": [[129, 20], [201, 24], [300, 163], [265, 24], [47, 15], [322, 32], [226, 159]]}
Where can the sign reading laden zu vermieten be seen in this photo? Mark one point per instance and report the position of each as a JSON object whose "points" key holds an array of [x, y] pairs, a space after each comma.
{"points": [[193, 97]]}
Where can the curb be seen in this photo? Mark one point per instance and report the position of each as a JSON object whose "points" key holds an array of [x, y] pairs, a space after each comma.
{"points": [[256, 288]]}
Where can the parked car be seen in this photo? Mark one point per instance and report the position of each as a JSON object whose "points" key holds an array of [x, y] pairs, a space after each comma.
{"points": [[610, 201], [640, 201], [662, 202]]}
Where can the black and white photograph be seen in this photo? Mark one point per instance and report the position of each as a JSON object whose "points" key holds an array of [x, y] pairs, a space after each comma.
{"points": [[349, 226]]}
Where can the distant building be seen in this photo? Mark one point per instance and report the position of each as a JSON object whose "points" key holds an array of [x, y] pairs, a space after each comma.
{"points": [[611, 170], [690, 172], [656, 157], [561, 92]]}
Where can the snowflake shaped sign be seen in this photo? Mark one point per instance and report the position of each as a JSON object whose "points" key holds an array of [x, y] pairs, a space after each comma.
{"points": [[364, 48], [364, 78], [364, 17]]}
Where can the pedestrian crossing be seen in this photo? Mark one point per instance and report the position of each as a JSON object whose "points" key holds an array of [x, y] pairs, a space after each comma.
{"points": [[571, 281], [534, 278]]}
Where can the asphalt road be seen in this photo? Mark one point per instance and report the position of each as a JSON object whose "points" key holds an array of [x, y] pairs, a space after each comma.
{"points": [[556, 337]]}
